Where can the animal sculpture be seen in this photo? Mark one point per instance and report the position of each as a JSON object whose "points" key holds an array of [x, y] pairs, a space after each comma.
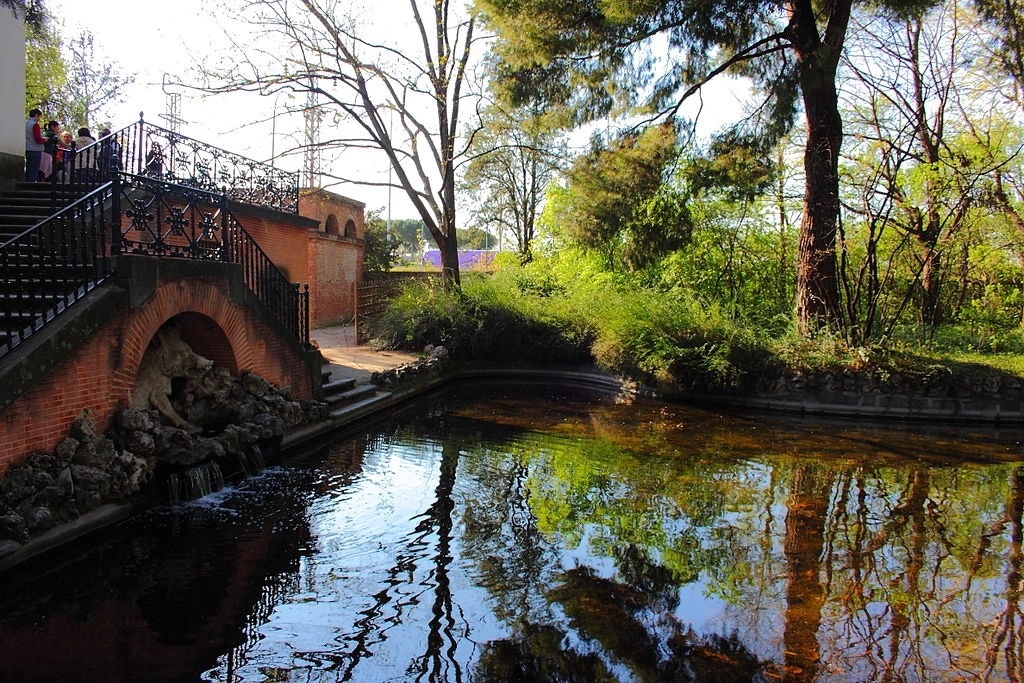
{"points": [[167, 357]]}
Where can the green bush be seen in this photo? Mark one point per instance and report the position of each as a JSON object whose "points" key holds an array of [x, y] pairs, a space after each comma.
{"points": [[568, 309], [490, 318]]}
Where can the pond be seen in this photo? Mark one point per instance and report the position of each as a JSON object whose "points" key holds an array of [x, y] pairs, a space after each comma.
{"points": [[524, 534]]}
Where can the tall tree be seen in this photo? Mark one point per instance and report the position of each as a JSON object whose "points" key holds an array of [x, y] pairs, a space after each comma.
{"points": [[618, 203], [599, 53], [401, 93], [1007, 18], [45, 69], [93, 82], [906, 105], [519, 154]]}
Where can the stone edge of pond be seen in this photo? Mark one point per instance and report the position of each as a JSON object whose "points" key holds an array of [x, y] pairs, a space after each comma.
{"points": [[861, 406], [63, 534]]}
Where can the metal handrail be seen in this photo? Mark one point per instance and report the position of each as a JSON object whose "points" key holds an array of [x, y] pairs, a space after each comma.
{"points": [[164, 219], [53, 264], [143, 149]]}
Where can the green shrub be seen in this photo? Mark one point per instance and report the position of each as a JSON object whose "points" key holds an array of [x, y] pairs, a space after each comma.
{"points": [[568, 309]]}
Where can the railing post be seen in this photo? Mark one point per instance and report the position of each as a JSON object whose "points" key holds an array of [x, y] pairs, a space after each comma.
{"points": [[141, 146], [304, 336], [225, 239], [115, 216]]}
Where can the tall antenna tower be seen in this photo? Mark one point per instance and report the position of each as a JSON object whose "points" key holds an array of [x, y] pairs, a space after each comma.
{"points": [[312, 157], [173, 106]]}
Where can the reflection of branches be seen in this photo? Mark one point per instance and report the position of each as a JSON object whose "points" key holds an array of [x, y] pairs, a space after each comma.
{"points": [[438, 519], [906, 608], [1008, 636]]}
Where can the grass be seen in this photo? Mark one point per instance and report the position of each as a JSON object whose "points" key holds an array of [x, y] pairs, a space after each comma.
{"points": [[568, 310]]}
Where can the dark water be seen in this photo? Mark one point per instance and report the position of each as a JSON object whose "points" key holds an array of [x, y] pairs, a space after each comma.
{"points": [[489, 535]]}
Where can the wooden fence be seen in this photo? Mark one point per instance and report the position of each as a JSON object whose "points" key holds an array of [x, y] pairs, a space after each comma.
{"points": [[374, 293]]}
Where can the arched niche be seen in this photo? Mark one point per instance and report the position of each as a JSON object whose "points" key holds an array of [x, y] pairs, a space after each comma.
{"points": [[331, 225], [206, 338], [350, 228]]}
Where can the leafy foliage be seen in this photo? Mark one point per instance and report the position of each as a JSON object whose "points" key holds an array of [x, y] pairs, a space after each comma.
{"points": [[617, 203], [380, 252], [45, 70]]}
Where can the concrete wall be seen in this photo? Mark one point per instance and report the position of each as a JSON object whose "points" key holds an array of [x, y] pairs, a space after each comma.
{"points": [[12, 98]]}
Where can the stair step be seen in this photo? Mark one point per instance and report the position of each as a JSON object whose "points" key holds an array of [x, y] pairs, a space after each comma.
{"points": [[339, 385], [345, 397]]}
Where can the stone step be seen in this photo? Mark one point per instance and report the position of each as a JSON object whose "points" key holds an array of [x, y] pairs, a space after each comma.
{"points": [[354, 394], [339, 385]]}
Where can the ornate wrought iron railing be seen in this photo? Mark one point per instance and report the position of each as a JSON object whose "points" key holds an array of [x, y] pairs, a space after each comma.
{"points": [[159, 218], [143, 149], [53, 264]]}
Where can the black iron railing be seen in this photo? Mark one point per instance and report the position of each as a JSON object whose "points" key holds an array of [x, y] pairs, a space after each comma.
{"points": [[159, 218], [53, 264], [143, 149]]}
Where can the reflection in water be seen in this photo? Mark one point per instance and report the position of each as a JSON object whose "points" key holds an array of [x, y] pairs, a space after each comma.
{"points": [[502, 537]]}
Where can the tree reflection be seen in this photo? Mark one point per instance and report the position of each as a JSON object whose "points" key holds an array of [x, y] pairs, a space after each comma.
{"points": [[1008, 634], [806, 510]]}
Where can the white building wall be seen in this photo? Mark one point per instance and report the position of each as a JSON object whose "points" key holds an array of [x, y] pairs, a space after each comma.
{"points": [[12, 97]]}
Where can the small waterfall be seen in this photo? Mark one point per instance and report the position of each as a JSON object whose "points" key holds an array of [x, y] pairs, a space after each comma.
{"points": [[194, 482], [253, 460]]}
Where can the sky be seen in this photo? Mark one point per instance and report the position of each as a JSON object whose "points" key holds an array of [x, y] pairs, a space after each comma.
{"points": [[162, 42]]}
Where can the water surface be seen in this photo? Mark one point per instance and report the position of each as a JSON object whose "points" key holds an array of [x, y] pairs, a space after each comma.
{"points": [[510, 535]]}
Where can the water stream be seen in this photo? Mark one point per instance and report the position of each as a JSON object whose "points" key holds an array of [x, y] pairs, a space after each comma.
{"points": [[501, 534]]}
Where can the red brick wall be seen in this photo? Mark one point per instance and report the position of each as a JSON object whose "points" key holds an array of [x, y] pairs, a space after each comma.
{"points": [[334, 261], [100, 375]]}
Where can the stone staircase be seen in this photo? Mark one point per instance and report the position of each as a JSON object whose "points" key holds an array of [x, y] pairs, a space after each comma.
{"points": [[36, 273], [23, 207], [342, 394]]}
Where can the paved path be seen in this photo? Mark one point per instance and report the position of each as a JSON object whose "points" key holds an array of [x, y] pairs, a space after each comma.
{"points": [[349, 359]]}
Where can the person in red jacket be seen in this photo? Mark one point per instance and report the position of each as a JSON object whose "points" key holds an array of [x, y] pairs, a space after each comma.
{"points": [[34, 143]]}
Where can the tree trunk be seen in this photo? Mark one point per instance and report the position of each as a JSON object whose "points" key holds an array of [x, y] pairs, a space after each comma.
{"points": [[817, 284]]}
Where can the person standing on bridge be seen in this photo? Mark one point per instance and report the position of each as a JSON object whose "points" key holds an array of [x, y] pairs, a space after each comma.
{"points": [[85, 169], [109, 159], [34, 143]]}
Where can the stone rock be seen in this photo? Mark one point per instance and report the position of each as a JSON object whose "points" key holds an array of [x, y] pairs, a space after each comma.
{"points": [[65, 450], [90, 480], [141, 444], [87, 500], [12, 526], [82, 428], [207, 449], [237, 439], [43, 463], [133, 420], [8, 547], [254, 385], [97, 452], [66, 483], [182, 457], [42, 480], [17, 485], [40, 519]]}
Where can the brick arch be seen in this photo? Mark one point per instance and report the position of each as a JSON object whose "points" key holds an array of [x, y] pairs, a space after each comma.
{"points": [[209, 322], [332, 225], [99, 375], [350, 228], [207, 339]]}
